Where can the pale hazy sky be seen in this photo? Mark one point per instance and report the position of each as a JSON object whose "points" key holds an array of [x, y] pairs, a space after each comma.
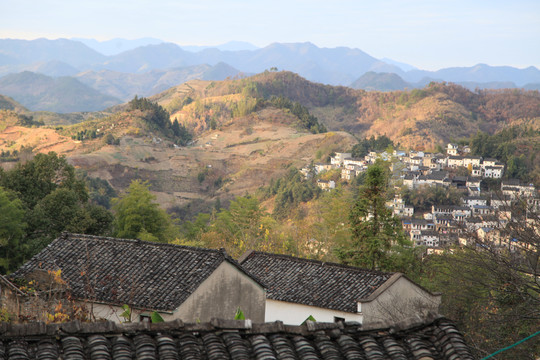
{"points": [[428, 34]]}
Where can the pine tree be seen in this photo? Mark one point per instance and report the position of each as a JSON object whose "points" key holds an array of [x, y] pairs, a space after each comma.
{"points": [[374, 228]]}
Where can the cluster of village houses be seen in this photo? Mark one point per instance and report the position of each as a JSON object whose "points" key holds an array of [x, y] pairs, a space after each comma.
{"points": [[482, 213], [109, 276]]}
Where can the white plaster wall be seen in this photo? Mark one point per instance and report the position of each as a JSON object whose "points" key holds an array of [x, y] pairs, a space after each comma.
{"points": [[112, 313], [108, 312], [296, 314]]}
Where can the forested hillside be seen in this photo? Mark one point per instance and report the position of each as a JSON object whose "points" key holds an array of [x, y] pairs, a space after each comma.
{"points": [[216, 164]]}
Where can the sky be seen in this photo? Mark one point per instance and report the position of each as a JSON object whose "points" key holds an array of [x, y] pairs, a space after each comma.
{"points": [[428, 34]]}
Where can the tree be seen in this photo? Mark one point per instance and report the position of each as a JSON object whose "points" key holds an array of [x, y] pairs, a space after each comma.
{"points": [[53, 200], [516, 167], [138, 216], [37, 178], [245, 225], [492, 286], [183, 136], [12, 227], [330, 227], [374, 228], [366, 145]]}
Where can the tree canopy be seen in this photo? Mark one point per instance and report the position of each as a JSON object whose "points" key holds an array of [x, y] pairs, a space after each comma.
{"points": [[375, 230], [138, 216], [51, 199], [12, 226], [366, 145]]}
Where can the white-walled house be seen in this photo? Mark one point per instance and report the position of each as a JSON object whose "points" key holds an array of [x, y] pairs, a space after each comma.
{"points": [[338, 158], [452, 149], [455, 161], [326, 184], [179, 282], [298, 288], [495, 172], [472, 160], [319, 168]]}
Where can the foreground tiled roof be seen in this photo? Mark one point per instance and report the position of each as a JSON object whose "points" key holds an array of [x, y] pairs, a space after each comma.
{"points": [[312, 282], [119, 271], [229, 339]]}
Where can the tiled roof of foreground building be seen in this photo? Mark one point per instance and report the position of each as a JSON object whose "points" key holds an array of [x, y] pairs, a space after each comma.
{"points": [[229, 339], [313, 282], [121, 271]]}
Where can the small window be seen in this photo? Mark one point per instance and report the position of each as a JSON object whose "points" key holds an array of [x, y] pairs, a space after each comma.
{"points": [[338, 319], [145, 317]]}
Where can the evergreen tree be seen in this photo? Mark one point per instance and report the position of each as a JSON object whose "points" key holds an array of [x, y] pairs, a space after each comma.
{"points": [[374, 228]]}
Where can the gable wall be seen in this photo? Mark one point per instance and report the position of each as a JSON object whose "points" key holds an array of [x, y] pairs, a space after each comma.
{"points": [[226, 289], [218, 296], [402, 300]]}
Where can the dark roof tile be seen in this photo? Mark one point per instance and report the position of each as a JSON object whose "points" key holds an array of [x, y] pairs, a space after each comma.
{"points": [[120, 271], [437, 339]]}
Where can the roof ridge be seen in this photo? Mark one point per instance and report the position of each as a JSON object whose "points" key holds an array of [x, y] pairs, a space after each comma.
{"points": [[320, 262], [67, 235], [110, 327]]}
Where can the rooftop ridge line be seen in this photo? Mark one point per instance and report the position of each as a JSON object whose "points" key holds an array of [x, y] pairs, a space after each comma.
{"points": [[245, 256], [75, 236], [8, 330]]}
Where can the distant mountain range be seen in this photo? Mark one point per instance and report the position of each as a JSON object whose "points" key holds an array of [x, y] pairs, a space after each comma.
{"points": [[391, 82], [126, 85], [122, 68], [117, 45]]}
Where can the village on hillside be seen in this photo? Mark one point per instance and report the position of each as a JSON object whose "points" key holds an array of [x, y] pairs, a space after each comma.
{"points": [[483, 212]]}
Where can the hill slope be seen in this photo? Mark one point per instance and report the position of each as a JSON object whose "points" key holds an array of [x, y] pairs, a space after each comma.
{"points": [[418, 118], [240, 155], [64, 94], [247, 131], [380, 82]]}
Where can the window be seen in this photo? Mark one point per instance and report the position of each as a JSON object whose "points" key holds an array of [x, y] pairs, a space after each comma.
{"points": [[338, 319]]}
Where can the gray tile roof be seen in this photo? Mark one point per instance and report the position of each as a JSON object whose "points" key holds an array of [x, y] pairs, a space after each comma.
{"points": [[229, 339], [119, 271], [312, 282]]}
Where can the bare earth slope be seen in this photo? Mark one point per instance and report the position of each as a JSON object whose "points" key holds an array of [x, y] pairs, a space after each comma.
{"points": [[234, 159], [243, 139]]}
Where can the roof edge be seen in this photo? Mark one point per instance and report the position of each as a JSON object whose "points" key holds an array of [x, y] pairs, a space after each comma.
{"points": [[239, 266], [67, 235], [8, 330], [388, 283], [11, 285], [249, 253], [245, 255]]}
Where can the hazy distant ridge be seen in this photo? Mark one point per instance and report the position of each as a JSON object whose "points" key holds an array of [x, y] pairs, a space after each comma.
{"points": [[62, 94], [335, 66], [149, 69]]}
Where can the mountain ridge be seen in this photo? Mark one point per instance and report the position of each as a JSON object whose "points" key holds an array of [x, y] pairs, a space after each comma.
{"points": [[335, 66]]}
